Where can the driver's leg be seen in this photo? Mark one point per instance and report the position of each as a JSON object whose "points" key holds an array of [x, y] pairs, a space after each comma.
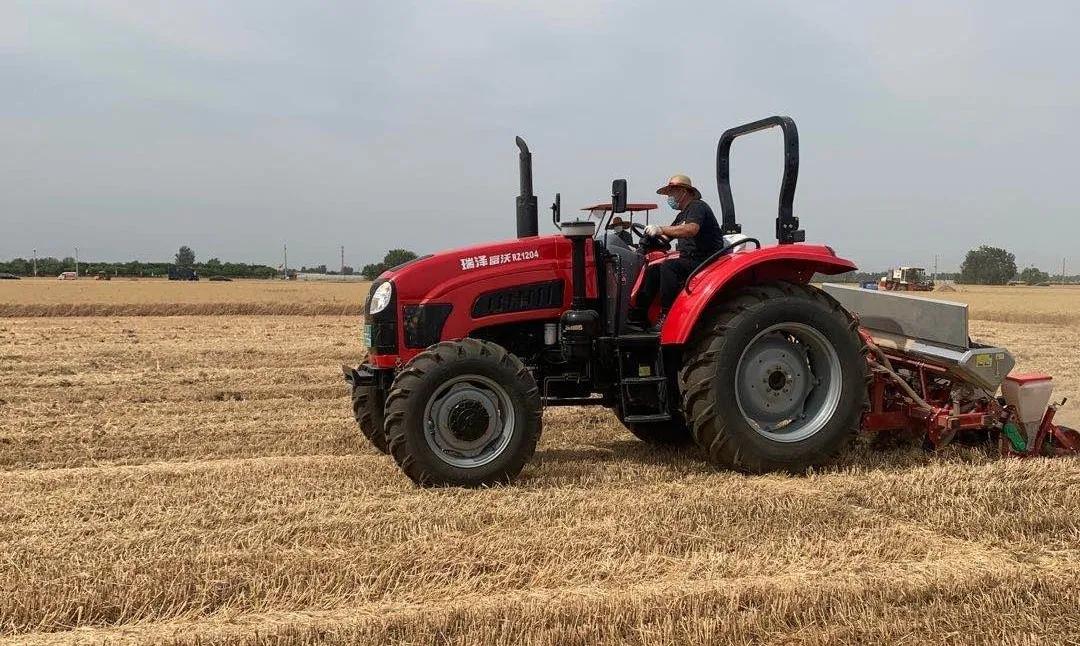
{"points": [[646, 294], [672, 278]]}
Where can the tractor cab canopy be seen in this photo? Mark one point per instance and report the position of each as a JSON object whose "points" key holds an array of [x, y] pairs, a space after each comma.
{"points": [[599, 212], [604, 207]]}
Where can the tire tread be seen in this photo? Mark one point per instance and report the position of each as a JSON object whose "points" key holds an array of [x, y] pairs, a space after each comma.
{"points": [[370, 417], [409, 380]]}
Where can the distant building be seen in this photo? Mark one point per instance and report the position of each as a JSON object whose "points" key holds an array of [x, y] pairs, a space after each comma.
{"points": [[337, 278]]}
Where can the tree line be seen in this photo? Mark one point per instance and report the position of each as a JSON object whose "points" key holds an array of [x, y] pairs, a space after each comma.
{"points": [[866, 277], [984, 265], [185, 257], [322, 269], [49, 266]]}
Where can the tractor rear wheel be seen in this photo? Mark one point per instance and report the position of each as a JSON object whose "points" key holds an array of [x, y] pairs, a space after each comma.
{"points": [[775, 380], [368, 410], [463, 413]]}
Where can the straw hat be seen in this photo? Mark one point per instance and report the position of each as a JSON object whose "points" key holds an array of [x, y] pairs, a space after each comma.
{"points": [[679, 181]]}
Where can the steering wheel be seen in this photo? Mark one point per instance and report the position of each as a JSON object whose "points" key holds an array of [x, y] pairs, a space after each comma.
{"points": [[648, 243]]}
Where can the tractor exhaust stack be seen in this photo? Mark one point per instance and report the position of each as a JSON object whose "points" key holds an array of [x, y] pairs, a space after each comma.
{"points": [[527, 218]]}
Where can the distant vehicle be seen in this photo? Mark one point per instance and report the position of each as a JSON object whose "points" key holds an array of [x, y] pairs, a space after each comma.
{"points": [[6, 276], [906, 279], [182, 273], [220, 279], [103, 276], [67, 275]]}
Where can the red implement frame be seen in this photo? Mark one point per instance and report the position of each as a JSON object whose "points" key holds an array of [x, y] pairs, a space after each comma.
{"points": [[926, 408], [935, 417]]}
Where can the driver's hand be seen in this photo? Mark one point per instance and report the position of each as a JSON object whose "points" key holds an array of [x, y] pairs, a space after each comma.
{"points": [[653, 231]]}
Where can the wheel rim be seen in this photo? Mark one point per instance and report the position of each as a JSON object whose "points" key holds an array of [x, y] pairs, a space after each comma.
{"points": [[788, 382], [469, 421]]}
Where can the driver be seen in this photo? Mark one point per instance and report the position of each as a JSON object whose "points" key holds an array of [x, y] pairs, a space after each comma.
{"points": [[698, 234]]}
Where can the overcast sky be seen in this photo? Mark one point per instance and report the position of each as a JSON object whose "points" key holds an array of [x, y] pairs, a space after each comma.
{"points": [[130, 128]]}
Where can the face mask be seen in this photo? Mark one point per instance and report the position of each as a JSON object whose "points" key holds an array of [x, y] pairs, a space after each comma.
{"points": [[672, 202]]}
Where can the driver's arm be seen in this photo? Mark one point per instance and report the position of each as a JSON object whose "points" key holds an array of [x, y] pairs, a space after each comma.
{"points": [[684, 230]]}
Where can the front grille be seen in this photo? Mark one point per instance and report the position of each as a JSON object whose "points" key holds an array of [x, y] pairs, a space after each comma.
{"points": [[424, 323], [522, 298], [384, 337]]}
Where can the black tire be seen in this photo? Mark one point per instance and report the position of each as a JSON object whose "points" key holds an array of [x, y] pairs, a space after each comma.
{"points": [[671, 433], [424, 378], [708, 379], [368, 410]]}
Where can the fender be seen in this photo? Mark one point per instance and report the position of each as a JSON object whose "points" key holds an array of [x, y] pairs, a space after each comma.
{"points": [[791, 262]]}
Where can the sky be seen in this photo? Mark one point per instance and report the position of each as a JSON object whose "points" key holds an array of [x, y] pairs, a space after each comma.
{"points": [[926, 128]]}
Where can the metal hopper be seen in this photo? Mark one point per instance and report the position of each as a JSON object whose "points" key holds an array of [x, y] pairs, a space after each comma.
{"points": [[931, 330]]}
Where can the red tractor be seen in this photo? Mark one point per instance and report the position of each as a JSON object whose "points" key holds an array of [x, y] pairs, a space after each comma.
{"points": [[762, 370], [466, 347]]}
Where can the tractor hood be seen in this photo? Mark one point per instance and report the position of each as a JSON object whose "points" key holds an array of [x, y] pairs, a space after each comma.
{"points": [[442, 276]]}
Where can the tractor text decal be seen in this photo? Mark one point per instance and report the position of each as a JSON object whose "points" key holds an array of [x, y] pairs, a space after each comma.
{"points": [[475, 262]]}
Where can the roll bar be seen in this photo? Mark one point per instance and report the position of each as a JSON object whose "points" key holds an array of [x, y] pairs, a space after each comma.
{"points": [[787, 225]]}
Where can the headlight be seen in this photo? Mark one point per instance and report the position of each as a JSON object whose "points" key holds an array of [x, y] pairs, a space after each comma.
{"points": [[381, 298]]}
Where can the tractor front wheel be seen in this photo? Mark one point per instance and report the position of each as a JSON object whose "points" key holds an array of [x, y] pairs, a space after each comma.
{"points": [[368, 411], [776, 380], [463, 413]]}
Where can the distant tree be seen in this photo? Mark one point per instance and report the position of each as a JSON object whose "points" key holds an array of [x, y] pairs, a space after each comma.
{"points": [[372, 271], [396, 257], [392, 259], [19, 267], [1034, 276], [185, 257], [213, 265], [347, 270], [988, 266]]}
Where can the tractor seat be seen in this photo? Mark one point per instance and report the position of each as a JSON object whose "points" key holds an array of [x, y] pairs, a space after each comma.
{"points": [[731, 239]]}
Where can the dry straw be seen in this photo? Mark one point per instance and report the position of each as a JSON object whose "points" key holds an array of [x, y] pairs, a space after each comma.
{"points": [[198, 480], [155, 297]]}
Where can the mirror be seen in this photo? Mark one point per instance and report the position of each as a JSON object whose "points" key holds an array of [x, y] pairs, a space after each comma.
{"points": [[556, 210], [618, 196]]}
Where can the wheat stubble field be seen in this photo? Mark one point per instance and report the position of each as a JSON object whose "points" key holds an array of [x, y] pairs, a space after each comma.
{"points": [[197, 479]]}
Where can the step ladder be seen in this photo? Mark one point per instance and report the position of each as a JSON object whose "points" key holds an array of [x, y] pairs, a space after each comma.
{"points": [[643, 393]]}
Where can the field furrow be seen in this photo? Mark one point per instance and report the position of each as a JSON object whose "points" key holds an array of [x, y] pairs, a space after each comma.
{"points": [[118, 545], [1000, 604]]}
